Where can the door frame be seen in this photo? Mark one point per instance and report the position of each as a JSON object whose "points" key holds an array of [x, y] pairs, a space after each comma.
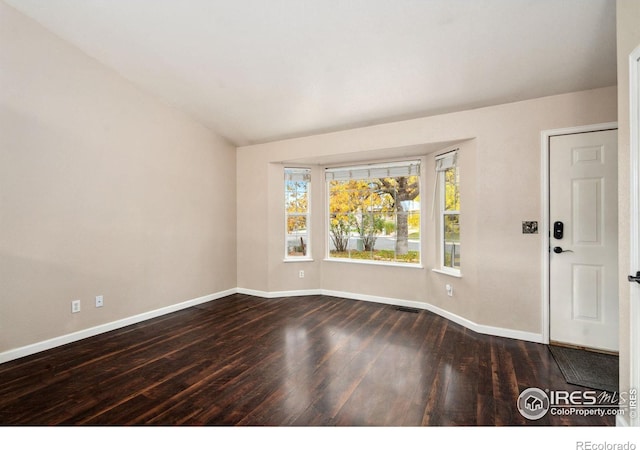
{"points": [[634, 222], [544, 228]]}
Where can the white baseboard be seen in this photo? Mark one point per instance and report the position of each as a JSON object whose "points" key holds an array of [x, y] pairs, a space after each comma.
{"points": [[276, 294], [94, 331], [478, 328]]}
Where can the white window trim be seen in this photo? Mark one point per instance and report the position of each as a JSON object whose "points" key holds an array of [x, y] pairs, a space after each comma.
{"points": [[375, 263], [449, 160], [378, 170], [307, 257], [449, 271]]}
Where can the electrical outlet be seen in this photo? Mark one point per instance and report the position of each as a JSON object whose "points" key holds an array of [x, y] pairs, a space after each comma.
{"points": [[99, 301], [301, 274], [75, 306], [449, 290]]}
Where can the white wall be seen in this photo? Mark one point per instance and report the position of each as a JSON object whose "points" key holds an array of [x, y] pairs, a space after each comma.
{"points": [[501, 187], [104, 190]]}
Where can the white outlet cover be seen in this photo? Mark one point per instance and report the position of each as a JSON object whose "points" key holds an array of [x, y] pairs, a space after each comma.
{"points": [[99, 301]]}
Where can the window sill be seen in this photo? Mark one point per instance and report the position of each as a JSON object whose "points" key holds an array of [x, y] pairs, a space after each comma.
{"points": [[292, 260], [451, 273], [374, 263]]}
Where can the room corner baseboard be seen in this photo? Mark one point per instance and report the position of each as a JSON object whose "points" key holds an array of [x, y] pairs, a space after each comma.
{"points": [[276, 294], [31, 349], [478, 328], [38, 347]]}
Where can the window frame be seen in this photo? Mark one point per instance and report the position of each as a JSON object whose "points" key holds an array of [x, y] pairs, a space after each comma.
{"points": [[307, 215], [418, 162], [450, 270]]}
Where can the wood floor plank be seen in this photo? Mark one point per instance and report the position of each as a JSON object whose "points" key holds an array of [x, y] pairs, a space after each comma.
{"points": [[304, 361]]}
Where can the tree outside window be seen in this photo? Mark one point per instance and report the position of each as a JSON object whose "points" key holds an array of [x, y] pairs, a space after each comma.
{"points": [[451, 218], [375, 217]]}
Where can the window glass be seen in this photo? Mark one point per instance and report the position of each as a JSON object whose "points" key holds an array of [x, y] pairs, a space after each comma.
{"points": [[374, 213], [296, 200], [450, 231]]}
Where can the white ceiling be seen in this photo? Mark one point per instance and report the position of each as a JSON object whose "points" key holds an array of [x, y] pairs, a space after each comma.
{"points": [[261, 70]]}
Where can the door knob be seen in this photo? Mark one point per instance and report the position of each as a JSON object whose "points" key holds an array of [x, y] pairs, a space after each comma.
{"points": [[631, 278], [560, 250]]}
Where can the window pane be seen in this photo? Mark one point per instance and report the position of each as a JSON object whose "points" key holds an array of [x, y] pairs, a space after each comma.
{"points": [[296, 199], [452, 194], [413, 222], [296, 245], [297, 235], [339, 234], [452, 240], [338, 197], [363, 218]]}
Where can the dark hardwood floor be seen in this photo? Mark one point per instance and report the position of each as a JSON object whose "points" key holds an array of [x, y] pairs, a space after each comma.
{"points": [[307, 361]]}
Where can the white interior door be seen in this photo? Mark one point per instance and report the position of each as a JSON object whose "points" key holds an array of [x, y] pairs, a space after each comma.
{"points": [[583, 258], [634, 289]]}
